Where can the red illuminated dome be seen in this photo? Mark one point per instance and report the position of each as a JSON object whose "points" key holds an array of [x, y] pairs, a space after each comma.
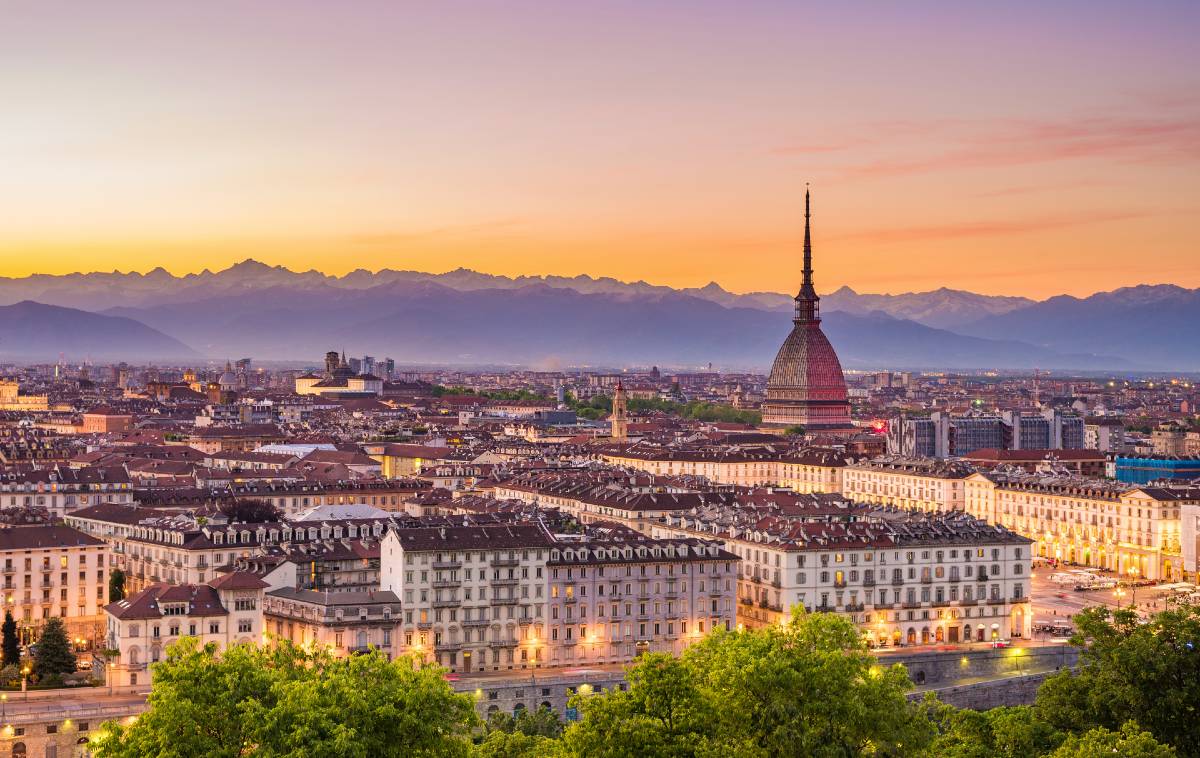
{"points": [[806, 386]]}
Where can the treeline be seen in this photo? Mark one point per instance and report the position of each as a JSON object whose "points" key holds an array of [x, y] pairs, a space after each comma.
{"points": [[806, 688], [600, 406]]}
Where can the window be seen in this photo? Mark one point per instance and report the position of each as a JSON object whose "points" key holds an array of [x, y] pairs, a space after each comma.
{"points": [[245, 626]]}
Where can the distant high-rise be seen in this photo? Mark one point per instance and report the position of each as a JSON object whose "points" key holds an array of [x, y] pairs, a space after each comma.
{"points": [[806, 386]]}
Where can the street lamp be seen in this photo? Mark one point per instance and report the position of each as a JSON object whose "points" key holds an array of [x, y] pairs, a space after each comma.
{"points": [[25, 682]]}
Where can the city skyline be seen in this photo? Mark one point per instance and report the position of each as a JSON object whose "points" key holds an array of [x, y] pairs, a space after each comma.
{"points": [[638, 143]]}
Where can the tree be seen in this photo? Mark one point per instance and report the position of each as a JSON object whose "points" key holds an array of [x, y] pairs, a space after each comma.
{"points": [[250, 511], [542, 722], [663, 713], [996, 733], [11, 647], [284, 701], [808, 687], [795, 429], [501, 744], [1129, 742], [1148, 673], [116, 585], [54, 655]]}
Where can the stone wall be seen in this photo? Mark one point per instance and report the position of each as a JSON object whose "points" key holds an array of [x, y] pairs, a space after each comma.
{"points": [[980, 696], [949, 667]]}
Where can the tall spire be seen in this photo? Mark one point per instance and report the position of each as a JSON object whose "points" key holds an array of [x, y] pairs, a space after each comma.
{"points": [[807, 237], [807, 308]]}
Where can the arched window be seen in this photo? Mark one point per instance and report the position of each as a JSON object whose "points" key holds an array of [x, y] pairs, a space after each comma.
{"points": [[18, 748]]}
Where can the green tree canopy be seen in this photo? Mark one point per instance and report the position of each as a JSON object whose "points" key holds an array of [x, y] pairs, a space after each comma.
{"points": [[807, 688], [11, 646], [54, 656], [284, 702], [1129, 742], [116, 585], [1148, 673]]}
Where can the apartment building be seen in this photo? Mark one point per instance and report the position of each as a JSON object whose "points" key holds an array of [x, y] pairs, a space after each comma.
{"points": [[926, 484], [1133, 530], [806, 470], [54, 572], [345, 623], [293, 497], [903, 577], [225, 611], [605, 497], [178, 548], [473, 597], [492, 598], [611, 601], [61, 489]]}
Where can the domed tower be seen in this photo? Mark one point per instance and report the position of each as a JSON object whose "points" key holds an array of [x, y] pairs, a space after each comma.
{"points": [[806, 386]]}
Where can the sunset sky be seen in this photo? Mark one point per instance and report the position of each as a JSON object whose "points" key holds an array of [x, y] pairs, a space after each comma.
{"points": [[1009, 148]]}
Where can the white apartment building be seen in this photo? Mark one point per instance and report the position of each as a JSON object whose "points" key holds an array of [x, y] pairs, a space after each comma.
{"points": [[904, 578], [61, 490], [493, 598], [926, 484], [54, 572], [345, 623], [807, 470], [611, 601], [225, 611], [1134, 530]]}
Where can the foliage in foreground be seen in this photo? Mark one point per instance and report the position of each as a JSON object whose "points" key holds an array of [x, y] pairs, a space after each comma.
{"points": [[806, 688], [261, 701]]}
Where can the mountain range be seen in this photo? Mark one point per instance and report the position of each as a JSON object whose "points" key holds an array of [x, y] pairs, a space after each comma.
{"points": [[466, 317]]}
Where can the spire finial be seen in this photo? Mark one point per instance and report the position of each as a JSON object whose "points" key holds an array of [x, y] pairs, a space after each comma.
{"points": [[807, 236], [807, 309]]}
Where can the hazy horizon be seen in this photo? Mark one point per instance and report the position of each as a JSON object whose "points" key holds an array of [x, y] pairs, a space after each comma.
{"points": [[342, 274], [997, 148]]}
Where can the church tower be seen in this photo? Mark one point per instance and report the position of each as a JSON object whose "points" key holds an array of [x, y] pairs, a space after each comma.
{"points": [[620, 421]]}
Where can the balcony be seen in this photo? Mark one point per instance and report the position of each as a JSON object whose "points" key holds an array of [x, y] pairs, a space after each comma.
{"points": [[475, 622], [424, 624], [854, 607], [927, 580], [505, 582], [869, 582], [447, 565], [911, 605], [446, 583], [502, 562], [505, 600], [839, 584], [897, 580], [448, 603]]}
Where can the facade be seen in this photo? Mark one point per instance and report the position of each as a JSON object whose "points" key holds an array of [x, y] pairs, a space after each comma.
{"points": [[61, 490], [225, 611], [54, 572], [806, 386], [902, 577], [1105, 435], [343, 622], [923, 484], [1134, 531], [1142, 469], [802, 470], [518, 597], [943, 435]]}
